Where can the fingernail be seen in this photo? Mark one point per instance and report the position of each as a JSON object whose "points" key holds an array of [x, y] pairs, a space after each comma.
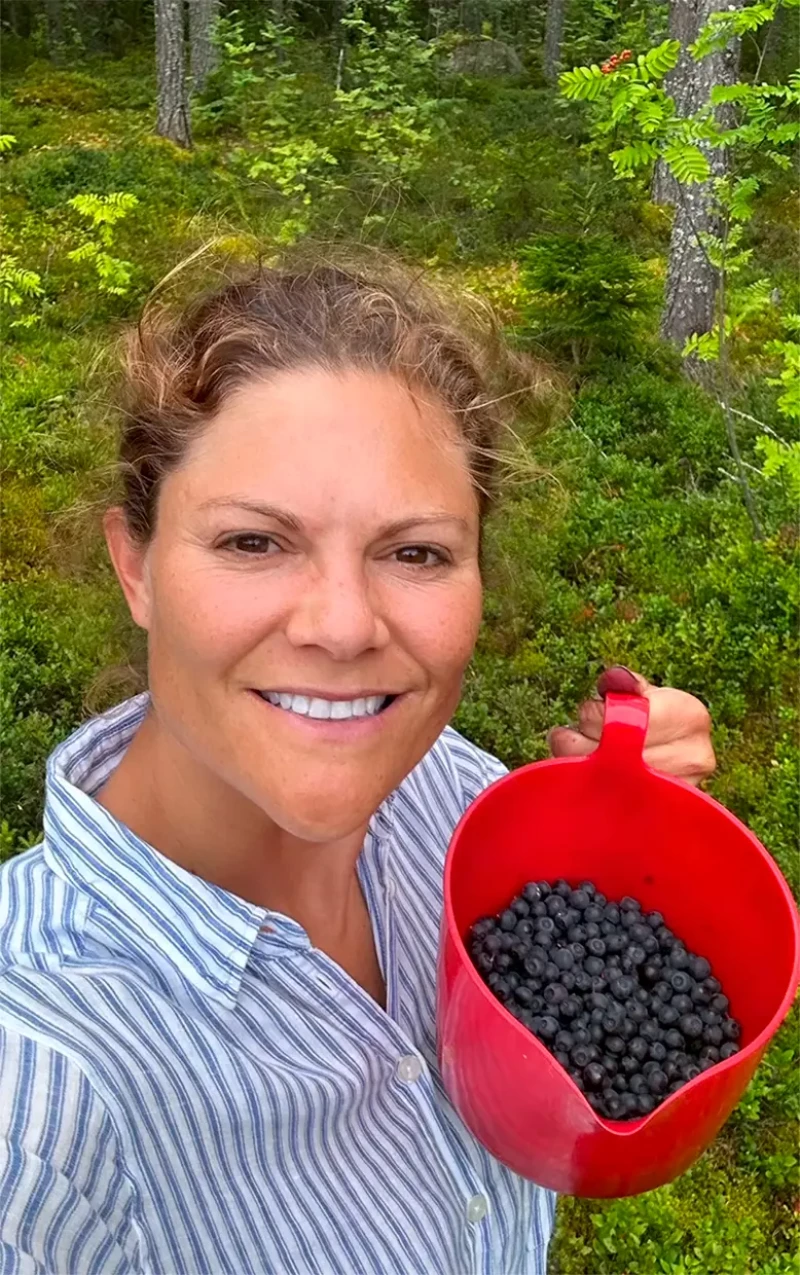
{"points": [[619, 679]]}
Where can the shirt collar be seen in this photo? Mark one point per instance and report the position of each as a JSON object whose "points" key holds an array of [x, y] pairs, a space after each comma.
{"points": [[203, 932]]}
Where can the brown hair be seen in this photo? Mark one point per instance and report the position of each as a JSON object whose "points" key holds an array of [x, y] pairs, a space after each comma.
{"points": [[180, 369]]}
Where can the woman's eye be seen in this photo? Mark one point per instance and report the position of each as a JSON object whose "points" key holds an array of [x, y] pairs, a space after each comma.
{"points": [[252, 543], [420, 556]]}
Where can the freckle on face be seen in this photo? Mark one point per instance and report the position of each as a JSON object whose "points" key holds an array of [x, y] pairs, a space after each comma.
{"points": [[332, 608]]}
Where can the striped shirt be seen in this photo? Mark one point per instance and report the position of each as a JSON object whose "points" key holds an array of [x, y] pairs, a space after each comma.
{"points": [[187, 1085]]}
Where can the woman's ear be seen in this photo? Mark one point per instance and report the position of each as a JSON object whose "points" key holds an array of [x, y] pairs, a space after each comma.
{"points": [[130, 563]]}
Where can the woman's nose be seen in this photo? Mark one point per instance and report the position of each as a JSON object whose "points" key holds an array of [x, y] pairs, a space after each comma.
{"points": [[335, 611]]}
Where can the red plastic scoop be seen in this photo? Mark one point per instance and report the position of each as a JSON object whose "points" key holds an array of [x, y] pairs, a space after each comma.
{"points": [[610, 819]]}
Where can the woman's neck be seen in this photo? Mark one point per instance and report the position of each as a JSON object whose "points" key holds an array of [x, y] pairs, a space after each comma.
{"points": [[169, 799]]}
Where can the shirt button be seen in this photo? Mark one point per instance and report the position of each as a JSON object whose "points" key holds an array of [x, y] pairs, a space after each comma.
{"points": [[409, 1069], [477, 1208]]}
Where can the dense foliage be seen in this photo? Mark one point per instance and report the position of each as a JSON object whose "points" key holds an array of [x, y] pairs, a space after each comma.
{"points": [[622, 536]]}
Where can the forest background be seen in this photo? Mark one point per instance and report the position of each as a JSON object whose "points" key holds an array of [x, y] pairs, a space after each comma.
{"points": [[618, 179]]}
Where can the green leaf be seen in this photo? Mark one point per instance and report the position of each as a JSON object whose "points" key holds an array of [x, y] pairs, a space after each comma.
{"points": [[635, 155], [659, 61], [687, 163], [584, 83]]}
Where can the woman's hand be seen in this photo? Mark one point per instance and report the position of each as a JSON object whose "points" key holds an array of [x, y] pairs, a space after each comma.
{"points": [[678, 735]]}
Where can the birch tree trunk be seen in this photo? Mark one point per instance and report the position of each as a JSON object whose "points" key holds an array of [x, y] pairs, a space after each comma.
{"points": [[554, 27], [692, 282], [202, 16], [173, 106]]}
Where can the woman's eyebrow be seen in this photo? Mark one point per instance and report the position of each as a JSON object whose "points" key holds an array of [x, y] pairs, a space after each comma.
{"points": [[293, 523]]}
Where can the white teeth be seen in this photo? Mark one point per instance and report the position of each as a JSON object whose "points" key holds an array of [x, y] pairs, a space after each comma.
{"points": [[322, 709]]}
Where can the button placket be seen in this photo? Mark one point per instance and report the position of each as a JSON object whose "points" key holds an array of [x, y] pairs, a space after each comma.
{"points": [[409, 1069]]}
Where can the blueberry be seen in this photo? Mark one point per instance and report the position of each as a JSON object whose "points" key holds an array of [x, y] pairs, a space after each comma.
{"points": [[579, 899], [484, 962], [582, 1055], [513, 980], [610, 1021], [620, 1082], [577, 934], [665, 936], [630, 1104], [650, 945], [561, 1058], [731, 1029], [713, 1036], [690, 1071], [627, 904], [712, 985], [682, 1004], [691, 1025], [607, 928], [680, 981], [581, 1035], [611, 913], [593, 965], [719, 1004], [616, 943], [673, 1039], [708, 1056], [639, 1049], [637, 1084], [583, 982], [508, 920], [552, 974], [578, 951], [710, 1019], [491, 943], [545, 925], [524, 928], [570, 1008], [555, 994], [657, 1082], [628, 1065], [669, 1016], [658, 1051], [633, 958], [699, 967], [655, 920], [622, 987], [627, 1030], [646, 1103], [635, 1011], [594, 1076], [502, 962], [611, 1064], [650, 973], [507, 940], [591, 929], [567, 980], [546, 1027], [728, 1049], [614, 1107], [537, 1005], [596, 947], [650, 1031], [544, 888], [563, 888], [538, 910], [524, 995], [532, 892], [615, 1045], [678, 958], [638, 932], [662, 991], [593, 913]]}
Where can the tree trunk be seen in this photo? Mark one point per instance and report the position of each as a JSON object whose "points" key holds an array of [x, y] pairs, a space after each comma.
{"points": [[202, 16], [173, 107], [690, 83], [554, 27], [55, 30], [692, 281]]}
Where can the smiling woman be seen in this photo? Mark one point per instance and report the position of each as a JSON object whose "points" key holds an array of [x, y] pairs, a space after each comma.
{"points": [[217, 1036]]}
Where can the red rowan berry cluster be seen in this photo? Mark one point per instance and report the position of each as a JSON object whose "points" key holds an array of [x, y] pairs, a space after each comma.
{"points": [[614, 61]]}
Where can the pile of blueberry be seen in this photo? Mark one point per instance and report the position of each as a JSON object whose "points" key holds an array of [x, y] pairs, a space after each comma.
{"points": [[609, 990]]}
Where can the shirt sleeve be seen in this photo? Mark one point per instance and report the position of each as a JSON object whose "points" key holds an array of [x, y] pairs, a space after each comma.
{"points": [[65, 1204]]}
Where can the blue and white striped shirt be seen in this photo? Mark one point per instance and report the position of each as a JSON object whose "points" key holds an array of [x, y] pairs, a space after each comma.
{"points": [[187, 1085]]}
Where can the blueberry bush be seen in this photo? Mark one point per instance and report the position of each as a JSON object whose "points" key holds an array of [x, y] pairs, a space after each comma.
{"points": [[623, 539]]}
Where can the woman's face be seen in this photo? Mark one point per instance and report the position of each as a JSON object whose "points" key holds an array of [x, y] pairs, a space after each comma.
{"points": [[316, 549]]}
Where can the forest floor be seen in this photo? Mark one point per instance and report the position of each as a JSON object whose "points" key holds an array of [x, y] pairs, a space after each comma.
{"points": [[623, 538]]}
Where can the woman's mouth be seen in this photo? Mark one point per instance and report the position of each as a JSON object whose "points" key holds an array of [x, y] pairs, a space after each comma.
{"points": [[319, 708]]}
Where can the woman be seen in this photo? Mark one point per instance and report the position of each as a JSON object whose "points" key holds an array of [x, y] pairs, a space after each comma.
{"points": [[217, 993]]}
